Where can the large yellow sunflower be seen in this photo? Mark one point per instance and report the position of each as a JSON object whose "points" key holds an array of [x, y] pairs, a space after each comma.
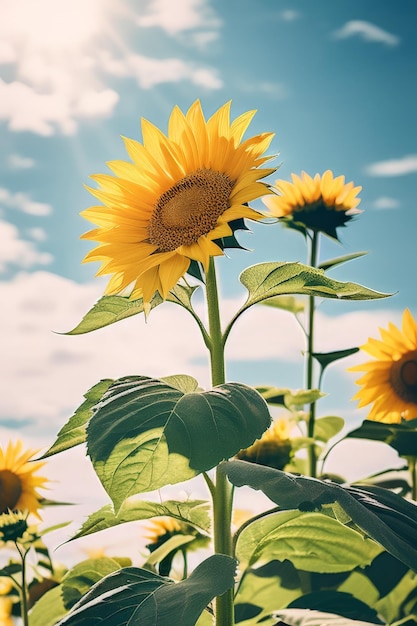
{"points": [[18, 480], [177, 199], [390, 382], [322, 203]]}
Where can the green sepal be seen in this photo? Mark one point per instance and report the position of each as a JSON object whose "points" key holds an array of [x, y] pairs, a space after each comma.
{"points": [[326, 358], [402, 437], [74, 431], [326, 265], [193, 512], [145, 433], [135, 597]]}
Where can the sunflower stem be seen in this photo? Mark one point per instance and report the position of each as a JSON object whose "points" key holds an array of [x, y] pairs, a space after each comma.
{"points": [[23, 591], [312, 459], [412, 466], [223, 492]]}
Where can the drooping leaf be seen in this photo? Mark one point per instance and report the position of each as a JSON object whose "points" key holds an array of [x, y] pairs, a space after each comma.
{"points": [[378, 513], [74, 431], [311, 541], [325, 358], [325, 265], [296, 400], [145, 433], [172, 544], [306, 617], [84, 575], [111, 309], [287, 303], [136, 597], [193, 512], [402, 437]]}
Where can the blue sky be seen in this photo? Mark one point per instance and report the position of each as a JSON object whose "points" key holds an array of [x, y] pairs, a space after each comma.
{"points": [[334, 80]]}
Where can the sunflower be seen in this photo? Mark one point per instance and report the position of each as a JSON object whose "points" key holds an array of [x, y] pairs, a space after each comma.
{"points": [[390, 382], [273, 449], [178, 200], [18, 480], [321, 204]]}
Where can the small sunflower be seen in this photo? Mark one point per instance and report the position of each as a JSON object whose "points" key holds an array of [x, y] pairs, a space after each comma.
{"points": [[390, 382], [182, 196], [321, 204], [273, 449], [18, 479]]}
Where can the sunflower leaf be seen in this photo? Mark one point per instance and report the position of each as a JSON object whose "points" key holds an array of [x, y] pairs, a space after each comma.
{"points": [[145, 433], [311, 541], [74, 431], [268, 280], [307, 617], [193, 512], [287, 303], [378, 513], [111, 309], [136, 596], [402, 437]]}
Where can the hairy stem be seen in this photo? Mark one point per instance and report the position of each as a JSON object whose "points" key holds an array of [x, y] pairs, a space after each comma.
{"points": [[223, 492], [312, 459]]}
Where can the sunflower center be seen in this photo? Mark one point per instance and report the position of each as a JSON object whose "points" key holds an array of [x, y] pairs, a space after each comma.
{"points": [[189, 209], [403, 377], [10, 490]]}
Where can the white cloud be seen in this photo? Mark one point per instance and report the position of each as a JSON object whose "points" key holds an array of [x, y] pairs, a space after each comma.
{"points": [[22, 202], [150, 72], [38, 234], [393, 167], [289, 15], [385, 202], [18, 252], [366, 31], [60, 63], [179, 16], [271, 89], [18, 162]]}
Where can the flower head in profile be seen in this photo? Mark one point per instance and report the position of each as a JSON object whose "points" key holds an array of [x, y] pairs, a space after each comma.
{"points": [[165, 528], [390, 380], [19, 480], [178, 201], [321, 204], [273, 449]]}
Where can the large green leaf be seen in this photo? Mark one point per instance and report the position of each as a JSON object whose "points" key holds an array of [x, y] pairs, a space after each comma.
{"points": [[74, 431], [402, 437], [267, 280], [327, 427], [193, 512], [378, 513], [137, 597], [311, 541], [146, 433], [286, 303], [332, 601]]}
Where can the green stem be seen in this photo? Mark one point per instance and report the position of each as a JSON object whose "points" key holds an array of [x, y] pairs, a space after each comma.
{"points": [[412, 466], [223, 493], [23, 591], [310, 362]]}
